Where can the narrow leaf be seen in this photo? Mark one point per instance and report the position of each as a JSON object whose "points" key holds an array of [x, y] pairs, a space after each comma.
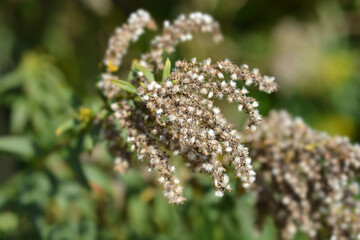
{"points": [[124, 85], [65, 126], [10, 81], [17, 145], [131, 73], [88, 142], [142, 84], [147, 73], [19, 115], [167, 68], [73, 159]]}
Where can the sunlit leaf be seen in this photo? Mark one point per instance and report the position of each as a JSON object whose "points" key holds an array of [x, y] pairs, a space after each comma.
{"points": [[142, 84], [166, 72], [65, 126], [17, 145], [8, 221], [147, 73], [124, 85], [88, 142]]}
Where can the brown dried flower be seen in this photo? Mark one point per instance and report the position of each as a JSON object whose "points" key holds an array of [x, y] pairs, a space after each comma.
{"points": [[180, 31], [178, 114], [307, 179]]}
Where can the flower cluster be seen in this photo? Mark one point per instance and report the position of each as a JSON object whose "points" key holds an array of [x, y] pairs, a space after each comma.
{"points": [[119, 42], [143, 136], [178, 115], [118, 46], [307, 179], [180, 31], [183, 106]]}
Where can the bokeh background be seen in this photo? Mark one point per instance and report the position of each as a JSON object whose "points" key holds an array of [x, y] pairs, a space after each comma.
{"points": [[63, 187]]}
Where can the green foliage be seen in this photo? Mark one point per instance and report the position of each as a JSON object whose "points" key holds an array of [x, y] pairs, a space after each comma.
{"points": [[124, 85], [21, 146], [166, 71], [37, 94], [147, 73]]}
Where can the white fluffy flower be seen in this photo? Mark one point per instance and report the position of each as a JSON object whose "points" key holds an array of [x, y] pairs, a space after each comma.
{"points": [[211, 133], [219, 194], [216, 110], [207, 167], [233, 76]]}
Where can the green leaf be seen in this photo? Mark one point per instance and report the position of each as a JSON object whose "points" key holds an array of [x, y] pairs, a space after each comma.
{"points": [[245, 216], [19, 115], [300, 236], [39, 121], [131, 73], [142, 84], [17, 145], [147, 73], [88, 142], [96, 175], [124, 85], [66, 126], [167, 68], [138, 215], [10, 81], [8, 222], [269, 230], [73, 159]]}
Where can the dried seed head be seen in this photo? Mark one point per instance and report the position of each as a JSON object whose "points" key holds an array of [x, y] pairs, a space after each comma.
{"points": [[308, 179], [181, 30], [178, 114]]}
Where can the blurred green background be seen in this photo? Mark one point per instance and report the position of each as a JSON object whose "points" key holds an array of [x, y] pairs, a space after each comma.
{"points": [[63, 187]]}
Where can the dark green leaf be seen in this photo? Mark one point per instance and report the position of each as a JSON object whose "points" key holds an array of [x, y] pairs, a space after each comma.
{"points": [[75, 164], [131, 73]]}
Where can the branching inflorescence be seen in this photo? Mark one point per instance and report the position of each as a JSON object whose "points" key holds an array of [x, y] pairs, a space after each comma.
{"points": [[177, 114], [180, 31], [307, 179]]}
